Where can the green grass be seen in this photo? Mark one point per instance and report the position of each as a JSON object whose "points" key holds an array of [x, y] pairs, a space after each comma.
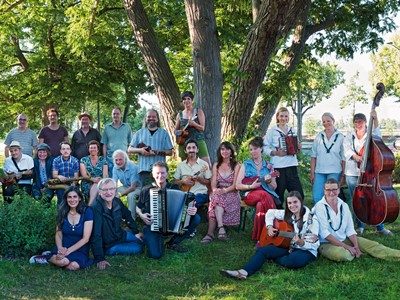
{"points": [[194, 275]]}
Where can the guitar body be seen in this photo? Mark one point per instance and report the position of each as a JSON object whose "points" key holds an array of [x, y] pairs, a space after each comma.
{"points": [[279, 241], [181, 139]]}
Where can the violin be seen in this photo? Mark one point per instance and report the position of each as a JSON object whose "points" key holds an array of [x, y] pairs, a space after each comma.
{"points": [[375, 201]]}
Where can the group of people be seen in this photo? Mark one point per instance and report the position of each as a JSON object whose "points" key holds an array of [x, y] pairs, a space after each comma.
{"points": [[92, 215]]}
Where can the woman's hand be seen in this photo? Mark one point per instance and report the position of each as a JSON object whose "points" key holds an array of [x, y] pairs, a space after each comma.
{"points": [[272, 231]]}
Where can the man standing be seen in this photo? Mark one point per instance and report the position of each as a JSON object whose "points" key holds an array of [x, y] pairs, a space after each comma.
{"points": [[83, 136], [25, 136], [151, 143], [53, 134], [154, 240], [108, 237], [339, 241], [17, 171], [193, 174], [65, 167], [116, 135], [127, 173]]}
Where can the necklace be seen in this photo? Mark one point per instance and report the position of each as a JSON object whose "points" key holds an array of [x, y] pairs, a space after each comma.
{"points": [[257, 164], [330, 147], [72, 214]]}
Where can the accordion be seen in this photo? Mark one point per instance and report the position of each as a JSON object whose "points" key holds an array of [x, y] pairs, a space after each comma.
{"points": [[169, 210], [289, 144]]}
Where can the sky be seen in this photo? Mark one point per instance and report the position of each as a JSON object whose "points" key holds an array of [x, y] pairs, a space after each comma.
{"points": [[388, 108]]}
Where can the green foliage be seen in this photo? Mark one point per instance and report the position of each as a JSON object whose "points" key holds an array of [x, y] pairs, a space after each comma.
{"points": [[396, 171], [27, 226]]}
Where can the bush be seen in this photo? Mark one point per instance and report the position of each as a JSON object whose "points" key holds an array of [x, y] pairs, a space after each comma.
{"points": [[396, 171], [27, 226]]}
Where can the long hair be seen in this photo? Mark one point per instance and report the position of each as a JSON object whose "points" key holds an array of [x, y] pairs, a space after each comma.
{"points": [[233, 162], [288, 213], [64, 207]]}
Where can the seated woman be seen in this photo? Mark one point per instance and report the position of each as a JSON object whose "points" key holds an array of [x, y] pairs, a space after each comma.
{"points": [[42, 164], [224, 208], [304, 245], [94, 166], [74, 228], [259, 194]]}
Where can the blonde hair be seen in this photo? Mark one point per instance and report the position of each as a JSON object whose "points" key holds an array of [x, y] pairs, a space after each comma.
{"points": [[281, 109], [329, 115]]}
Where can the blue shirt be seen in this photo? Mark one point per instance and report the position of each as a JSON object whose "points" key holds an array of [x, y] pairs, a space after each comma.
{"points": [[66, 168], [251, 171], [159, 140], [127, 176], [116, 138]]}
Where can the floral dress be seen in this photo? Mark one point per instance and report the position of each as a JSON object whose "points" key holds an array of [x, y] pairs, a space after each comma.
{"points": [[229, 201], [93, 171]]}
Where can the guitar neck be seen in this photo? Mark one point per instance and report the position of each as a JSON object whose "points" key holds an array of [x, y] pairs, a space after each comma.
{"points": [[286, 234]]}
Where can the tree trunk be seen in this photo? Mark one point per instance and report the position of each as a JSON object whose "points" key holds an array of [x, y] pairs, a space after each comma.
{"points": [[161, 75], [208, 80], [274, 21]]}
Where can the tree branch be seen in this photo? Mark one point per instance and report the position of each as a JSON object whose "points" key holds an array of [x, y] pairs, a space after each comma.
{"points": [[19, 54]]}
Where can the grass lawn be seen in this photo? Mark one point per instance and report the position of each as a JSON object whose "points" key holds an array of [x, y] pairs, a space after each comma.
{"points": [[194, 275]]}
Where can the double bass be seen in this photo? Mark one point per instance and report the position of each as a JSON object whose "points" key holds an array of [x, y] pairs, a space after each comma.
{"points": [[375, 201]]}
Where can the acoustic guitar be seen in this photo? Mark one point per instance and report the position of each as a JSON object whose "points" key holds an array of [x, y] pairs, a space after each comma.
{"points": [[180, 139], [283, 237], [11, 177]]}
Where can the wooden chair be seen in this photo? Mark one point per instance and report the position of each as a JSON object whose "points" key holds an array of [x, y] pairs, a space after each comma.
{"points": [[244, 208]]}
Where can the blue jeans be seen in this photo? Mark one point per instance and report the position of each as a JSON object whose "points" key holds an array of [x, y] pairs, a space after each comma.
{"points": [[201, 199], [294, 260], [110, 163], [132, 245], [351, 183], [154, 240], [318, 186]]}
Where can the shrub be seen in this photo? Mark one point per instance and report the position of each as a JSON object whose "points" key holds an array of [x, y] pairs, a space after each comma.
{"points": [[396, 171], [27, 226]]}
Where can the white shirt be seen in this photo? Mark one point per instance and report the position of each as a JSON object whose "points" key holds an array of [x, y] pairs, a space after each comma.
{"points": [[340, 225], [328, 163], [271, 143], [25, 163], [352, 145], [279, 214]]}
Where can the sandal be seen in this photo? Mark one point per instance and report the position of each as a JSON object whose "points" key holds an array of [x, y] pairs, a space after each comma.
{"points": [[233, 274], [207, 239], [222, 236]]}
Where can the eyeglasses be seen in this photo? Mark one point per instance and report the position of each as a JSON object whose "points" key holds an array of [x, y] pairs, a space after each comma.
{"points": [[22, 119], [108, 189], [330, 190]]}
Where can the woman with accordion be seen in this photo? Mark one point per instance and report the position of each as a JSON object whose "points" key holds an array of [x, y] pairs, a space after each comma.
{"points": [[281, 144]]}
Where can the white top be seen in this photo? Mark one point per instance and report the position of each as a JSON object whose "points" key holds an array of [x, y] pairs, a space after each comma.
{"points": [[352, 145], [271, 143], [340, 225], [329, 153], [279, 214], [25, 163]]}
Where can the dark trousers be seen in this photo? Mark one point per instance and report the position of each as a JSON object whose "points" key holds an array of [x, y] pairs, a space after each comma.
{"points": [[288, 180], [154, 240], [9, 191], [294, 260]]}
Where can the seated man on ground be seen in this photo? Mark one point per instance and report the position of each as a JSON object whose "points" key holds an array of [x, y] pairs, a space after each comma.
{"points": [[339, 240], [108, 236], [152, 239]]}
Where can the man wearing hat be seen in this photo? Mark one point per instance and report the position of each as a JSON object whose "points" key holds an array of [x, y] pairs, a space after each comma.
{"points": [[83, 136], [42, 172], [25, 136], [18, 172], [352, 145]]}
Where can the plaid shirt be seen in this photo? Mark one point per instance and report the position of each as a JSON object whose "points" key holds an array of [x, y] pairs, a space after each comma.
{"points": [[67, 167]]}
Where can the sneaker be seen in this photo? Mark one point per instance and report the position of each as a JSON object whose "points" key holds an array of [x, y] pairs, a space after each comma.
{"points": [[177, 248], [46, 252], [193, 234], [38, 259], [360, 231], [384, 232]]}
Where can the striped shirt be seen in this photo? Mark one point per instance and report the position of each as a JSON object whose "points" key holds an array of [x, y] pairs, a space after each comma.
{"points": [[26, 138], [160, 140]]}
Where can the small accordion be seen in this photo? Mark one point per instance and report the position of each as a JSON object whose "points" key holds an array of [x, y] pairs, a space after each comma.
{"points": [[289, 143], [169, 210]]}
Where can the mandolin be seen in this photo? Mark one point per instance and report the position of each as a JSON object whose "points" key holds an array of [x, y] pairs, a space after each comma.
{"points": [[250, 180], [185, 187], [11, 177]]}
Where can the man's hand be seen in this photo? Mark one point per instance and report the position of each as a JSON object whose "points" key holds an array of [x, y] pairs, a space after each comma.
{"points": [[103, 264], [147, 219]]}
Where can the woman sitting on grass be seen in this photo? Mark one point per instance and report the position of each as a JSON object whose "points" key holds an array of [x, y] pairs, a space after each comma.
{"points": [[303, 248], [74, 228]]}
